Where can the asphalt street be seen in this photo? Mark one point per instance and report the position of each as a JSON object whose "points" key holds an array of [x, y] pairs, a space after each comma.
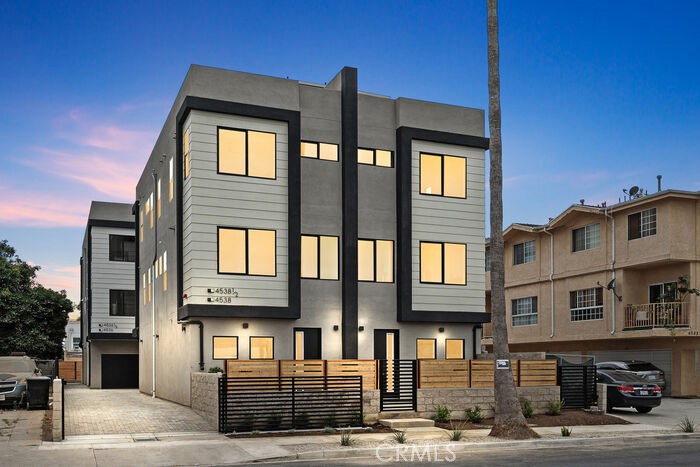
{"points": [[681, 452]]}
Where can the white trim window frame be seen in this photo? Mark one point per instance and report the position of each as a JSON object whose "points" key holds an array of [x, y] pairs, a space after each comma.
{"points": [[586, 237], [524, 311], [586, 305], [524, 252]]}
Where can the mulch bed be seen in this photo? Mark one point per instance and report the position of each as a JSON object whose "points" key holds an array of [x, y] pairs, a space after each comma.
{"points": [[568, 417]]}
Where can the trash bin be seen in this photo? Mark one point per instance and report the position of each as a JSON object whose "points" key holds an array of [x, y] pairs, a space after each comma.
{"points": [[38, 392]]}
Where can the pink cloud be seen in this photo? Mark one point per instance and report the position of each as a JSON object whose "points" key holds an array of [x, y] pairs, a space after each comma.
{"points": [[20, 207], [61, 278]]}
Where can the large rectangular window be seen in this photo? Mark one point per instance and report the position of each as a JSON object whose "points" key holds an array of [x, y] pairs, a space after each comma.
{"points": [[443, 263], [375, 260], [378, 157], [443, 175], [454, 349], [246, 152], [426, 349], [122, 248], [586, 237], [323, 151], [586, 304], [641, 224], [225, 348], [262, 348], [524, 311], [122, 303], [247, 251], [319, 257], [524, 252]]}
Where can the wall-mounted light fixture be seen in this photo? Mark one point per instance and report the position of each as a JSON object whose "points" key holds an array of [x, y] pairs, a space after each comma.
{"points": [[361, 328], [441, 329], [336, 327], [245, 325]]}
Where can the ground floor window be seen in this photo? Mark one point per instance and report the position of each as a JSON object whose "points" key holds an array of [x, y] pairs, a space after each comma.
{"points": [[262, 348], [225, 348], [454, 349], [425, 348]]}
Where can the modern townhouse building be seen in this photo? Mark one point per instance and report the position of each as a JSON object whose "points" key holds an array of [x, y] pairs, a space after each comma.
{"points": [[603, 281], [286, 220], [108, 297]]}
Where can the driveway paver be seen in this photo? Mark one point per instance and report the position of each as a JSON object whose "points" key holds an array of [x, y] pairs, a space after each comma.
{"points": [[126, 411]]}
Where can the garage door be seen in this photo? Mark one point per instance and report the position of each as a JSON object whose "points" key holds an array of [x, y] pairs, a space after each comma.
{"points": [[120, 371], [661, 358]]}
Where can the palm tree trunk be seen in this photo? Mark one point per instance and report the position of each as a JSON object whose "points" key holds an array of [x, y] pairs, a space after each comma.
{"points": [[509, 421]]}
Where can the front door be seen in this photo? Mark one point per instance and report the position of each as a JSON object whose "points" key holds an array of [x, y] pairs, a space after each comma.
{"points": [[307, 343]]}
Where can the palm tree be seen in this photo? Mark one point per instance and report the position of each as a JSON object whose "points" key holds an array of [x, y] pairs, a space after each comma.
{"points": [[509, 420]]}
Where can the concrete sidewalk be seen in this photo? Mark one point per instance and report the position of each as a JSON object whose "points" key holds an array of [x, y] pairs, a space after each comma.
{"points": [[214, 449]]}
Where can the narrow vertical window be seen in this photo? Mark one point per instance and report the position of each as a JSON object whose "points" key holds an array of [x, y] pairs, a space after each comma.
{"points": [[375, 260], [165, 271], [150, 209], [159, 195], [319, 257], [141, 209], [186, 152], [298, 345], [365, 260], [170, 180]]}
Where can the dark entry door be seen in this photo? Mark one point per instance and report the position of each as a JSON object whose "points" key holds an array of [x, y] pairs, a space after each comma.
{"points": [[307, 343], [120, 371], [386, 344]]}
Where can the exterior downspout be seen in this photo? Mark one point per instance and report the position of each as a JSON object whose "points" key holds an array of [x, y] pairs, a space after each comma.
{"points": [[613, 298], [154, 336], [551, 278]]}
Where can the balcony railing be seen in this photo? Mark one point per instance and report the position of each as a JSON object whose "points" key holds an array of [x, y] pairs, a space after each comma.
{"points": [[656, 315]]}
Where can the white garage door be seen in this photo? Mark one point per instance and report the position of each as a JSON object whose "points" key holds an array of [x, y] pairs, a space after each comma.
{"points": [[661, 358]]}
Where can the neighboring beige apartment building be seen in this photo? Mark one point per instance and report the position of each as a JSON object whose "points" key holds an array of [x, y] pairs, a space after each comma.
{"points": [[601, 281]]}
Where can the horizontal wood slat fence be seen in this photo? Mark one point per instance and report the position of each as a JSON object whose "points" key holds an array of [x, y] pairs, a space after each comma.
{"points": [[70, 370], [431, 373]]}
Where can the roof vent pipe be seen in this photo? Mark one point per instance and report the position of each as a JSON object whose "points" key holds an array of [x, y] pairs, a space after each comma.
{"points": [[658, 183]]}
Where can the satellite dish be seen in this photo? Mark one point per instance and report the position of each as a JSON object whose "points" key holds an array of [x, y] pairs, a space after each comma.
{"points": [[634, 190]]}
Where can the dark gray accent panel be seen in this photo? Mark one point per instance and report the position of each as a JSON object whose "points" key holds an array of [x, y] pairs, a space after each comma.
{"points": [[404, 138], [349, 238]]}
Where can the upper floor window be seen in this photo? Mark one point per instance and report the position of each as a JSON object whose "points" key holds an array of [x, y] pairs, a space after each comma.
{"points": [[170, 180], [586, 304], [323, 151], [186, 152], [487, 259], [159, 195], [443, 263], [524, 252], [247, 251], [319, 257], [122, 303], [246, 152], [149, 209], [586, 237], [443, 175], [524, 311], [122, 248], [641, 224], [375, 260], [380, 157]]}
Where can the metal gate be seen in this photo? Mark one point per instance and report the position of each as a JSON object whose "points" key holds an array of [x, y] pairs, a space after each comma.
{"points": [[397, 385], [577, 385]]}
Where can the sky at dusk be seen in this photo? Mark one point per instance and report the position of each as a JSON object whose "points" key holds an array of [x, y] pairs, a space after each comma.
{"points": [[596, 95]]}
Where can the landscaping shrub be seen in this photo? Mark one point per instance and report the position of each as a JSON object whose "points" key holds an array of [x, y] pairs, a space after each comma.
{"points": [[566, 431], [526, 407], [474, 414], [216, 369], [554, 407], [400, 436], [687, 425], [442, 414], [346, 439]]}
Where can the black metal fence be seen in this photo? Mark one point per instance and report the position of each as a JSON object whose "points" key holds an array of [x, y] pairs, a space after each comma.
{"points": [[577, 385], [397, 385], [283, 403]]}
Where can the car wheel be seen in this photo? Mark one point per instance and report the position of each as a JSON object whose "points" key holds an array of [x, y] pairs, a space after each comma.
{"points": [[643, 409]]}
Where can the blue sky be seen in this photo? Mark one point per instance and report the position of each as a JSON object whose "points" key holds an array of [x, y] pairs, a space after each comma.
{"points": [[596, 96]]}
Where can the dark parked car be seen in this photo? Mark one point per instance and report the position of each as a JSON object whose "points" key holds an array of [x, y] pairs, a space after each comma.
{"points": [[14, 372], [625, 389], [645, 370]]}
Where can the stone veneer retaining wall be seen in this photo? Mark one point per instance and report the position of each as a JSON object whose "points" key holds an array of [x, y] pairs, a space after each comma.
{"points": [[204, 396], [457, 400]]}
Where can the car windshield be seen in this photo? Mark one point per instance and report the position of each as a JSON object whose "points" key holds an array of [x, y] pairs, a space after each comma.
{"points": [[643, 366], [16, 365], [622, 377]]}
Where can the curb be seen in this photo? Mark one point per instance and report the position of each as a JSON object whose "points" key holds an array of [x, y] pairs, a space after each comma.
{"points": [[454, 447]]}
